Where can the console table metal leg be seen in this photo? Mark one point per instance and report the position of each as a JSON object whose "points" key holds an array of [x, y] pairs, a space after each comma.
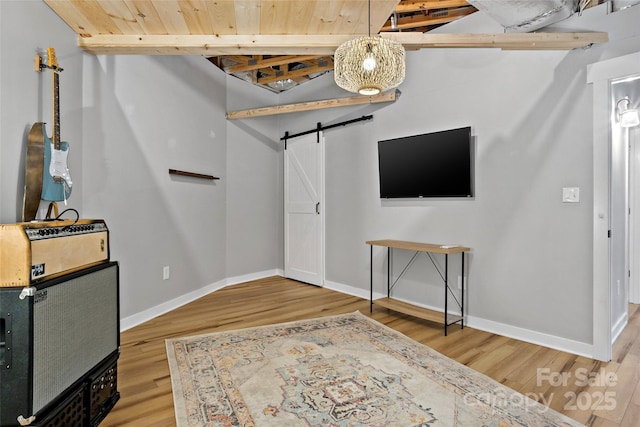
{"points": [[389, 272], [462, 295], [371, 279], [446, 291]]}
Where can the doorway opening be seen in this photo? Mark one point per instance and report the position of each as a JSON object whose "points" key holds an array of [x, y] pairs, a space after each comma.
{"points": [[610, 205]]}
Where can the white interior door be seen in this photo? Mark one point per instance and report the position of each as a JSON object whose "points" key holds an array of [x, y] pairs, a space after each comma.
{"points": [[304, 209]]}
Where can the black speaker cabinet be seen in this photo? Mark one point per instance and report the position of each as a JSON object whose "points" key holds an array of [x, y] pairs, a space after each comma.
{"points": [[58, 340]]}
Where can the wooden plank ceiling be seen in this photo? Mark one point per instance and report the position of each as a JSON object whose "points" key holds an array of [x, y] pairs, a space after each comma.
{"points": [[275, 44]]}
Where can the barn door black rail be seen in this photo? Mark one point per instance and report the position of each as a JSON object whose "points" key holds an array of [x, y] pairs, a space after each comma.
{"points": [[319, 127]]}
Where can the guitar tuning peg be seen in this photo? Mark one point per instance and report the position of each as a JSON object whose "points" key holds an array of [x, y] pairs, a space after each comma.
{"points": [[38, 63]]}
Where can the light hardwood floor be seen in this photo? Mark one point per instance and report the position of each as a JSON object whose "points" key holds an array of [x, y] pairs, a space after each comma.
{"points": [[594, 393]]}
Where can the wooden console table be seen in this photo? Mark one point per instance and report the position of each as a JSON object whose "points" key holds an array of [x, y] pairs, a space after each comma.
{"points": [[411, 309]]}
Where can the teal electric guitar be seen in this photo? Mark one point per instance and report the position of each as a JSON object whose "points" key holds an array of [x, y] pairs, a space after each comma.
{"points": [[56, 180]]}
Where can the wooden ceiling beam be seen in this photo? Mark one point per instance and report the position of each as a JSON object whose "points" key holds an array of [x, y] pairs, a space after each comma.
{"points": [[323, 44], [282, 74], [390, 96], [212, 45], [320, 61], [271, 72], [418, 21], [241, 59], [270, 62], [417, 6], [510, 41]]}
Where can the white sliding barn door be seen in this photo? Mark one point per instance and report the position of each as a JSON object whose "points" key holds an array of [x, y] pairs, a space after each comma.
{"points": [[304, 209]]}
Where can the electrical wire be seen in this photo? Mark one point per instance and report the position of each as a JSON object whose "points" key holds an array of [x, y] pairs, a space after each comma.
{"points": [[58, 218]]}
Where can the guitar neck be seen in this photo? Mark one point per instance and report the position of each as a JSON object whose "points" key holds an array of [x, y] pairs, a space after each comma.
{"points": [[56, 110]]}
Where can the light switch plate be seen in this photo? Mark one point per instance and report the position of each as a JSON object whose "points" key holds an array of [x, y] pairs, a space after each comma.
{"points": [[571, 195]]}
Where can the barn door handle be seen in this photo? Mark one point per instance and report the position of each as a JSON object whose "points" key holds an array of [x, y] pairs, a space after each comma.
{"points": [[318, 208]]}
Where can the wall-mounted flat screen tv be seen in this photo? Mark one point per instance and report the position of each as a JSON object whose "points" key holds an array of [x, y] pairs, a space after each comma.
{"points": [[437, 164]]}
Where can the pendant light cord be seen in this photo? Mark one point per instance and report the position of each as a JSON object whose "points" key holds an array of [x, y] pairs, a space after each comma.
{"points": [[369, 18]]}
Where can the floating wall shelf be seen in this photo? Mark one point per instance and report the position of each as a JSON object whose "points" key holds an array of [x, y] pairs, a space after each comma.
{"points": [[191, 174]]}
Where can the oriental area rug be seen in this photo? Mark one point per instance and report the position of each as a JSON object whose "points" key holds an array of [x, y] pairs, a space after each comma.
{"points": [[337, 371]]}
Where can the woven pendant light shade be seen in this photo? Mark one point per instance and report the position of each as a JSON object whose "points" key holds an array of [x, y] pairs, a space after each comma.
{"points": [[369, 65]]}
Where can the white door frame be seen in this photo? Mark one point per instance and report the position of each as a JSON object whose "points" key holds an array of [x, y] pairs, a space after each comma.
{"points": [[634, 220], [600, 75]]}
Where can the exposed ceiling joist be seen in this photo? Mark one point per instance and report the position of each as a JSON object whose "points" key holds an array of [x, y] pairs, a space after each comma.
{"points": [[390, 96], [212, 45], [509, 41], [322, 45], [418, 6], [317, 66], [429, 19], [255, 62]]}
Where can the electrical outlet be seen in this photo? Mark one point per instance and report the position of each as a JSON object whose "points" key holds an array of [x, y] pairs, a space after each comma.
{"points": [[165, 273], [571, 195]]}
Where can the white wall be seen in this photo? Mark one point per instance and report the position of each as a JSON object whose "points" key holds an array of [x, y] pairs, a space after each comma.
{"points": [[25, 95], [142, 116], [129, 119], [530, 268], [254, 184]]}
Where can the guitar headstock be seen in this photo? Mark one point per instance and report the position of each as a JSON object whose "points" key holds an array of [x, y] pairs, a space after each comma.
{"points": [[52, 61]]}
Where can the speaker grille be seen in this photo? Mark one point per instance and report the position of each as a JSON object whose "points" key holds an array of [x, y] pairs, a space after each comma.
{"points": [[75, 328]]}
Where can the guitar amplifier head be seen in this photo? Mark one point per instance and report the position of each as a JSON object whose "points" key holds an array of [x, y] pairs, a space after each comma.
{"points": [[35, 251]]}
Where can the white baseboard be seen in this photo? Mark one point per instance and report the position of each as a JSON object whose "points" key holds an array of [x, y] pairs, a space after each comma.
{"points": [[253, 276], [619, 326], [146, 315], [530, 336], [349, 290], [534, 337]]}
